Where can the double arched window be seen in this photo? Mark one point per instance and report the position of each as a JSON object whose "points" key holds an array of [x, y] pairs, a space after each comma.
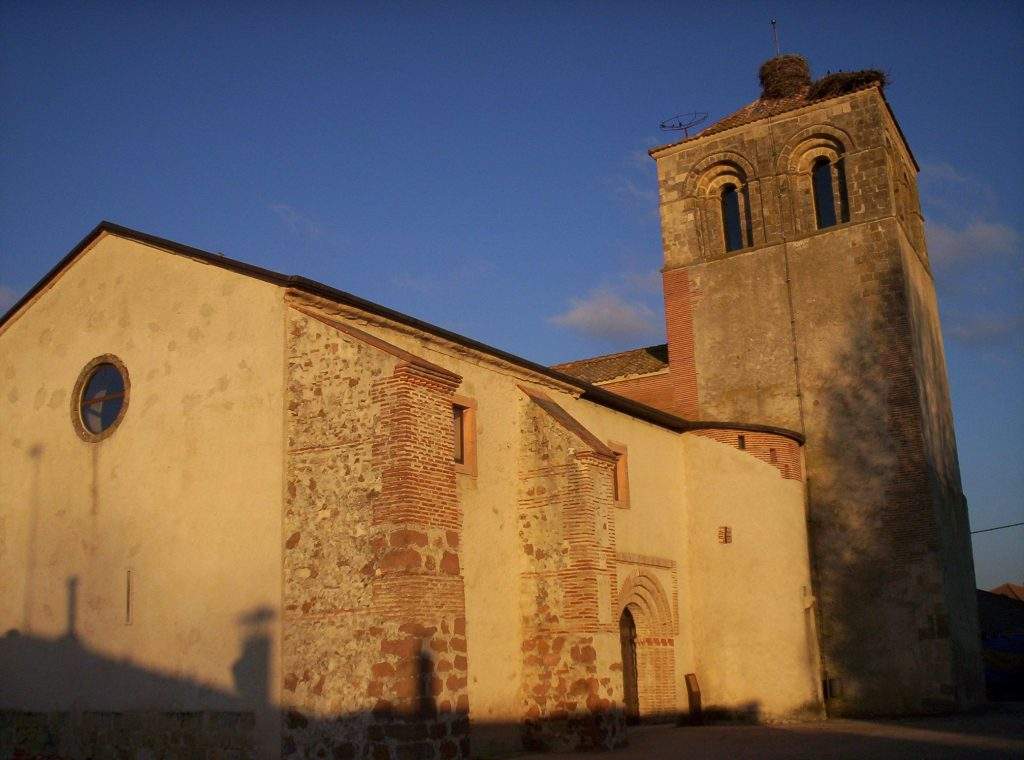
{"points": [[828, 183]]}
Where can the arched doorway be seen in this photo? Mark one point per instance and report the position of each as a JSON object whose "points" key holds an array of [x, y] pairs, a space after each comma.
{"points": [[630, 689], [647, 635]]}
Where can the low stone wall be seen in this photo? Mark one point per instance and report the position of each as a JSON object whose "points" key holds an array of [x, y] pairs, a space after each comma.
{"points": [[100, 735]]}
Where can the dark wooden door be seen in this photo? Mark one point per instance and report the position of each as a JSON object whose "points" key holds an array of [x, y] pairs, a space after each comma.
{"points": [[630, 695]]}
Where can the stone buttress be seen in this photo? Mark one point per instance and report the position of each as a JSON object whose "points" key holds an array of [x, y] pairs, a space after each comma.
{"points": [[374, 647], [572, 681]]}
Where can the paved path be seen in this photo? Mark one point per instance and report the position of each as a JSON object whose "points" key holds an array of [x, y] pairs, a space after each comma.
{"points": [[996, 733]]}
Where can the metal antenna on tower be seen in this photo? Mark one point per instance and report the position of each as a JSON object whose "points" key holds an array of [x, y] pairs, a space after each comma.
{"points": [[775, 38], [684, 122]]}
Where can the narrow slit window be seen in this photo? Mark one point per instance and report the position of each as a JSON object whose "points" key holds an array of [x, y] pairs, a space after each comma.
{"points": [[620, 475], [824, 200], [464, 435], [741, 441], [128, 598], [459, 434], [731, 218]]}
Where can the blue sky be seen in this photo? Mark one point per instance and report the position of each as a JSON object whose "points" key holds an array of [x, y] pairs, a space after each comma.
{"points": [[483, 165]]}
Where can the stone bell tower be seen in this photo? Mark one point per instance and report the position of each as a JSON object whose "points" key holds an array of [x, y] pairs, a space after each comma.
{"points": [[799, 293]]}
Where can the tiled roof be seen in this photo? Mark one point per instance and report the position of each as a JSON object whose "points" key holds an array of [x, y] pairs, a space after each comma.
{"points": [[761, 108], [638, 361], [1012, 590], [999, 615]]}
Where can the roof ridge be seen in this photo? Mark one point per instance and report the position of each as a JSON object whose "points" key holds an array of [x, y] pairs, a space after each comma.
{"points": [[711, 130], [588, 391], [609, 356]]}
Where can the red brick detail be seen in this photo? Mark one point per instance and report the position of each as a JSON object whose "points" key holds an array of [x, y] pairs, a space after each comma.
{"points": [[372, 584], [418, 593], [653, 615], [679, 300], [782, 453], [653, 390], [570, 697]]}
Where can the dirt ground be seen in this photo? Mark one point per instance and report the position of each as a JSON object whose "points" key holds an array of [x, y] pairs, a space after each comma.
{"points": [[996, 732]]}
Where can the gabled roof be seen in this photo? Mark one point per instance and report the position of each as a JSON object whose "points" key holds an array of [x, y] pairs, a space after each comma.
{"points": [[1010, 590], [763, 108], [587, 391], [599, 369], [566, 420], [999, 615]]}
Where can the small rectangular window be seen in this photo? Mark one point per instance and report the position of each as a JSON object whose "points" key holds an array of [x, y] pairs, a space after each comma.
{"points": [[464, 435], [620, 475], [459, 434], [741, 441], [128, 598]]}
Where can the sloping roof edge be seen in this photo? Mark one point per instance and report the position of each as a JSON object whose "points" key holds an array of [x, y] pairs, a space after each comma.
{"points": [[566, 420], [708, 131], [590, 392]]}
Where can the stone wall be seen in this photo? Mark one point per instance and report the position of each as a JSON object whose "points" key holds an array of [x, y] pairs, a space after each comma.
{"points": [[750, 601], [572, 682], [133, 569], [112, 735], [374, 613]]}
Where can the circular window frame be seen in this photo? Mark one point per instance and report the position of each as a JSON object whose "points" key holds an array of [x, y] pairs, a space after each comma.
{"points": [[76, 398]]}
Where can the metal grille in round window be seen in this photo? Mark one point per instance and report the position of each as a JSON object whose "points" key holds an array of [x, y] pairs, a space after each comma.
{"points": [[101, 397]]}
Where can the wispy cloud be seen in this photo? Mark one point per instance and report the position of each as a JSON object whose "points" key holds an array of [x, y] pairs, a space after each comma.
{"points": [[634, 183], [960, 227], [979, 239], [8, 297], [605, 314], [626, 188], [977, 259], [456, 275], [642, 282], [989, 330], [953, 195], [298, 223]]}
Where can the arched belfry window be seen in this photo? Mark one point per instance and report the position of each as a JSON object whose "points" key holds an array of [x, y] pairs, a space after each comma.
{"points": [[727, 217], [731, 218], [737, 225], [828, 180]]}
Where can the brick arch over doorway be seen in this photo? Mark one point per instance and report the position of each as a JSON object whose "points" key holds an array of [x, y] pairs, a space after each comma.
{"points": [[644, 597]]}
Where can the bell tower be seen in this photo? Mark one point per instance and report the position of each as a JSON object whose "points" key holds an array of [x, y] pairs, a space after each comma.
{"points": [[798, 293]]}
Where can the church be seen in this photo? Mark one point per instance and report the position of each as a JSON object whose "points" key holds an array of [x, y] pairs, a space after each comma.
{"points": [[248, 514]]}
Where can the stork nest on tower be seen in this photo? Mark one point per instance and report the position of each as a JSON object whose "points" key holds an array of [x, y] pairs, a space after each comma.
{"points": [[846, 81], [789, 75], [784, 76]]}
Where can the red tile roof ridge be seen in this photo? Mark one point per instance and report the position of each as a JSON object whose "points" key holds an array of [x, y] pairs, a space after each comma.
{"points": [[609, 356], [785, 105]]}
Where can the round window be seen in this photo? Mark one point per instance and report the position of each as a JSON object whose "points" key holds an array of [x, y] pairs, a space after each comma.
{"points": [[101, 397]]}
